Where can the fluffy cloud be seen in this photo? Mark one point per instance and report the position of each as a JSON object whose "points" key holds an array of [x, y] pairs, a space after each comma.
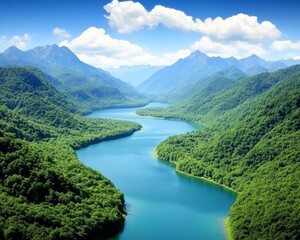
{"points": [[237, 49], [96, 47], [239, 27], [62, 33], [129, 16], [20, 41], [96, 41], [285, 45]]}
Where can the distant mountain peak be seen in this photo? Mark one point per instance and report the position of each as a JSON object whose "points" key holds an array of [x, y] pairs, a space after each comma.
{"points": [[13, 48], [254, 57], [54, 55], [48, 50], [197, 54], [50, 57], [12, 52]]}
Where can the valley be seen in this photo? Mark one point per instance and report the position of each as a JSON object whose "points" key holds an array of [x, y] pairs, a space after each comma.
{"points": [[56, 110], [249, 144]]}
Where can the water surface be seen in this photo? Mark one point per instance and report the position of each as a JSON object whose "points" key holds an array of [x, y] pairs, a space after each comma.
{"points": [[161, 204]]}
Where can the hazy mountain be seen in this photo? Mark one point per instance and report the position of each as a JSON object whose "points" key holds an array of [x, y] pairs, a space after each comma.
{"points": [[214, 83], [290, 61], [51, 56], [185, 72], [182, 73], [254, 61], [95, 88], [134, 75], [251, 71], [13, 53]]}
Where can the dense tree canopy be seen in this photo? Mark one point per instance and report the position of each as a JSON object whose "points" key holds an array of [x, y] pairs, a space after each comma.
{"points": [[45, 192], [250, 143]]}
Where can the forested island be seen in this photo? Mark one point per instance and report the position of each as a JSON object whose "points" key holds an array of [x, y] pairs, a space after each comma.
{"points": [[45, 192], [249, 142]]}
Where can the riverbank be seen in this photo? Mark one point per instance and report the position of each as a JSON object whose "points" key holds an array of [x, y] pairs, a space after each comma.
{"points": [[227, 227], [228, 230], [184, 205], [154, 154]]}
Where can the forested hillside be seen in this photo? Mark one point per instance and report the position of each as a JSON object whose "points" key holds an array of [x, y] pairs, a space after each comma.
{"points": [[45, 192], [91, 88], [199, 68], [250, 143]]}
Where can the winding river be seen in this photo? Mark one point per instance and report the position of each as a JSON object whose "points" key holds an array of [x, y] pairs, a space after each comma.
{"points": [[161, 204]]}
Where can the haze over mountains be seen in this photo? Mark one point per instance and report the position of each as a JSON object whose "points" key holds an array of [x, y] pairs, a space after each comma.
{"points": [[95, 87], [89, 86], [188, 71], [135, 75], [250, 142]]}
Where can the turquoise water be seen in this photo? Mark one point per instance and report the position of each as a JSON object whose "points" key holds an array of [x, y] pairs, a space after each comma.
{"points": [[161, 204]]}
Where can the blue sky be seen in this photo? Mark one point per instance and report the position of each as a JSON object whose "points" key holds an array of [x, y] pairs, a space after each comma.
{"points": [[113, 33]]}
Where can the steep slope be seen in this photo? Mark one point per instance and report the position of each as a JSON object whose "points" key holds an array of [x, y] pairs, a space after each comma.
{"points": [[196, 67], [90, 91], [214, 83], [98, 88], [250, 144], [45, 192], [182, 73]]}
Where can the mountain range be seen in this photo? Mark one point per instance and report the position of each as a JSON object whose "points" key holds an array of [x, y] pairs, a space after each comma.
{"points": [[92, 88], [249, 142], [198, 66]]}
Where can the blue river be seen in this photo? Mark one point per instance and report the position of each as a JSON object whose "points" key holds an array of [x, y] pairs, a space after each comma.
{"points": [[161, 204]]}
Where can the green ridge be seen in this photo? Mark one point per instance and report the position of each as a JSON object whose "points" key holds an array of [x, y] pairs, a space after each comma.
{"points": [[250, 144], [45, 192]]}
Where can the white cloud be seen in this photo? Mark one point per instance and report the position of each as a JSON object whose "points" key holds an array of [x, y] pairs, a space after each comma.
{"points": [[285, 45], [96, 41], [62, 33], [96, 47], [20, 41], [129, 16], [237, 49], [172, 18], [238, 27]]}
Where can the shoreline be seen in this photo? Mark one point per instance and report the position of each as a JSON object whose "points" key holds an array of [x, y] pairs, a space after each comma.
{"points": [[204, 179], [154, 154], [227, 227]]}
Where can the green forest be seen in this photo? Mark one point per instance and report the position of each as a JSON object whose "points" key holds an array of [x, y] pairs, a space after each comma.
{"points": [[248, 141], [45, 192]]}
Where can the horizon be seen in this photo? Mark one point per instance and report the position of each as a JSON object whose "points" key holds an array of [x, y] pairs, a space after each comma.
{"points": [[112, 68], [109, 34]]}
